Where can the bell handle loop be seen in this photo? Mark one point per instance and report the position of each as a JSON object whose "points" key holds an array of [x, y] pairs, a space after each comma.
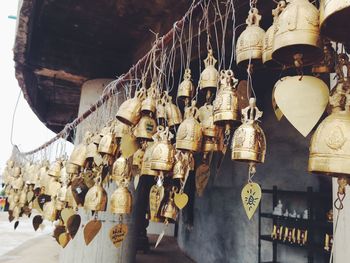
{"points": [[253, 18], [338, 203]]}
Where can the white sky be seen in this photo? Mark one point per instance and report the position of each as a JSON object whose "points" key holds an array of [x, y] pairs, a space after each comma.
{"points": [[29, 132]]}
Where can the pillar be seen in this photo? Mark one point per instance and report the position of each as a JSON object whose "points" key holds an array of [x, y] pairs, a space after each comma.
{"points": [[101, 249]]}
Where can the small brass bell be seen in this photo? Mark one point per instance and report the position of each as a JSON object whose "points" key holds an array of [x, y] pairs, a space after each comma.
{"points": [[72, 168], [91, 151], [148, 106], [121, 201], [96, 197], [161, 108], [169, 210], [55, 168], [130, 110], [146, 161], [212, 144], [108, 144], [173, 113], [52, 187], [249, 142], [121, 170], [210, 76], [78, 156], [179, 170], [120, 129], [145, 128], [50, 212], [269, 37], [138, 157], [206, 119], [186, 88], [297, 40], [189, 134], [70, 198], [226, 102], [334, 15], [163, 153], [250, 42]]}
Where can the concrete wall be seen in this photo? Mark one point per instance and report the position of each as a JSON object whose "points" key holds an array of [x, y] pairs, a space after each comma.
{"points": [[218, 229]]}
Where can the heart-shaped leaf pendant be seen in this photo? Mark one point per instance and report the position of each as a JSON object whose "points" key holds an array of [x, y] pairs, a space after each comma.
{"points": [[181, 200], [302, 100], [63, 239], [73, 224], [66, 213], [117, 234], [91, 230], [251, 196]]}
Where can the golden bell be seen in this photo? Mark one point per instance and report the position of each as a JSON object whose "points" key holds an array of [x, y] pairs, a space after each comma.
{"points": [[212, 144], [250, 42], [145, 128], [249, 142], [70, 198], [334, 16], [269, 37], [78, 156], [297, 41], [210, 76], [138, 157], [206, 119], [169, 209], [52, 187], [121, 170], [62, 194], [189, 134], [161, 108], [179, 170], [17, 183], [55, 168], [186, 88], [50, 212], [148, 106], [96, 198], [130, 110], [146, 161], [120, 129], [108, 144], [225, 105], [163, 153], [173, 113], [72, 168], [326, 65], [121, 201]]}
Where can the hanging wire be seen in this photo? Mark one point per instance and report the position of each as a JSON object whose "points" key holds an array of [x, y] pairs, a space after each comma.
{"points": [[13, 116]]}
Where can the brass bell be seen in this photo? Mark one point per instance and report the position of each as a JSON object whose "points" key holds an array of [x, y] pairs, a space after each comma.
{"points": [[269, 37], [121, 170], [91, 150], [163, 153], [17, 172], [96, 197], [146, 161], [186, 88], [50, 212], [72, 168], [225, 105], [52, 187], [189, 134], [161, 108], [96, 139], [121, 201], [326, 65], [130, 110], [249, 142], [108, 144], [179, 170], [18, 183], [334, 16], [138, 157], [55, 168], [297, 40], [145, 128], [206, 119], [169, 210], [250, 42], [148, 106], [78, 156], [212, 144], [210, 76], [120, 129], [70, 198], [62, 194], [173, 113], [330, 144]]}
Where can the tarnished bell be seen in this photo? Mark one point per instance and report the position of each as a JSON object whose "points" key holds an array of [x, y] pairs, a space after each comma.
{"points": [[130, 110], [186, 88], [189, 134], [210, 76], [297, 40], [55, 168], [250, 42], [173, 113], [249, 142], [146, 162], [96, 198], [334, 19], [121, 201], [226, 102], [269, 37], [145, 128], [330, 144], [148, 106], [163, 153], [169, 209]]}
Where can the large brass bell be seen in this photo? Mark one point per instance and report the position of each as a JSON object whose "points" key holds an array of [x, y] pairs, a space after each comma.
{"points": [[334, 18], [148, 105], [163, 153], [209, 78], [189, 134], [96, 197], [250, 42], [297, 40], [130, 110], [146, 161], [186, 88], [121, 201], [121, 170], [169, 210], [269, 37], [173, 113], [249, 142], [145, 128], [226, 102]]}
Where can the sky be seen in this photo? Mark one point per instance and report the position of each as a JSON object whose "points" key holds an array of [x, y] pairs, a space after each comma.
{"points": [[28, 132]]}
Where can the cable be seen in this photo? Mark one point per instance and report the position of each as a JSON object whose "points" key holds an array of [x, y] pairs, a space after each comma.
{"points": [[13, 117]]}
